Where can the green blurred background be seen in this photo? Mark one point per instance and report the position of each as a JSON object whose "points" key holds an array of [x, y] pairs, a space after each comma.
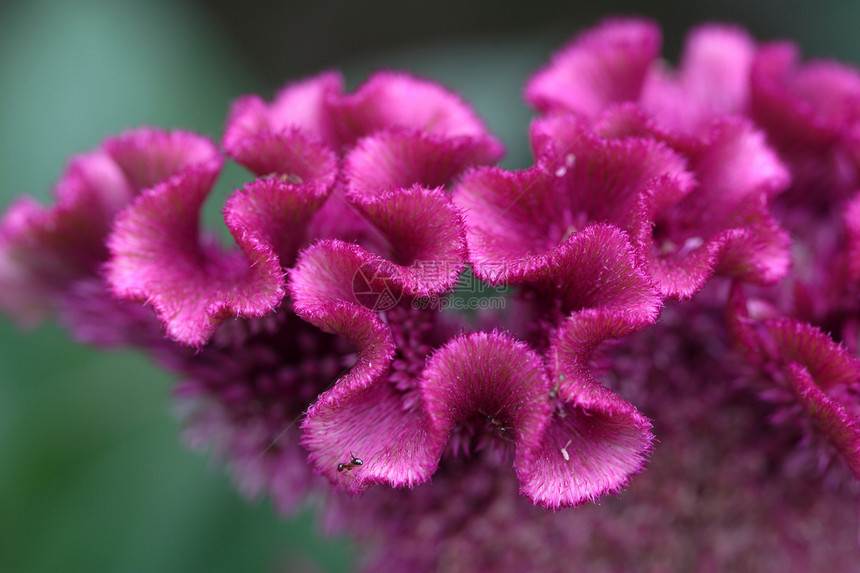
{"points": [[92, 474]]}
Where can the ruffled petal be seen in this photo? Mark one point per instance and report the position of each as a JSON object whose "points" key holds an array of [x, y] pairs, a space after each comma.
{"points": [[402, 158], [603, 176], [299, 106], [605, 65], [362, 416], [580, 179], [822, 376], [425, 238], [465, 382], [802, 105], [396, 446], [723, 224], [595, 440], [290, 154], [596, 268], [829, 364], [829, 416], [395, 99], [157, 258], [275, 213], [712, 79], [148, 157], [44, 250]]}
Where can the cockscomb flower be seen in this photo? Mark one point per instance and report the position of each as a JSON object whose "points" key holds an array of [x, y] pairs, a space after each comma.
{"points": [[51, 257], [610, 78], [617, 62], [316, 353], [811, 112], [246, 389]]}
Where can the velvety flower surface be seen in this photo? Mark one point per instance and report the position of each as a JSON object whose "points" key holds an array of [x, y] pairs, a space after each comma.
{"points": [[617, 62], [322, 352], [810, 112], [50, 258]]}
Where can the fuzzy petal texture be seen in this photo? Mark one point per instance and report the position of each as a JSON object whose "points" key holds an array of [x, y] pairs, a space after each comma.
{"points": [[722, 223], [291, 155], [426, 252], [391, 99], [44, 250], [581, 178], [362, 416], [157, 257], [275, 213], [396, 445], [712, 80], [596, 268], [148, 157], [605, 65], [823, 377], [828, 415], [466, 381], [297, 107], [395, 99], [402, 158], [340, 287], [595, 440]]}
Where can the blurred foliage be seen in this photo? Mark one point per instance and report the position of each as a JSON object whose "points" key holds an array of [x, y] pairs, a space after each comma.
{"points": [[92, 473]]}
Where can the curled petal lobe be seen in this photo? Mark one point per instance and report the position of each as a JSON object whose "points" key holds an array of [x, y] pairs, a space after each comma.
{"points": [[586, 452], [402, 158], [396, 446], [44, 250], [394, 99], [723, 224], [420, 226], [290, 154], [150, 156], [603, 177], [712, 80], [606, 65], [298, 107], [362, 416], [595, 441], [468, 380], [424, 236], [597, 268], [809, 104], [274, 213], [580, 179], [829, 364], [157, 257], [828, 415]]}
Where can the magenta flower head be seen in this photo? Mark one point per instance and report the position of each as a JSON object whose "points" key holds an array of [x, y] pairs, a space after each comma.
{"points": [[51, 258], [655, 312], [618, 62], [311, 149], [717, 219], [811, 113]]}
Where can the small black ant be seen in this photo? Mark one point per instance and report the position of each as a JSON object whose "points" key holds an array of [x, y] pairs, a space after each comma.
{"points": [[353, 462], [504, 431]]}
